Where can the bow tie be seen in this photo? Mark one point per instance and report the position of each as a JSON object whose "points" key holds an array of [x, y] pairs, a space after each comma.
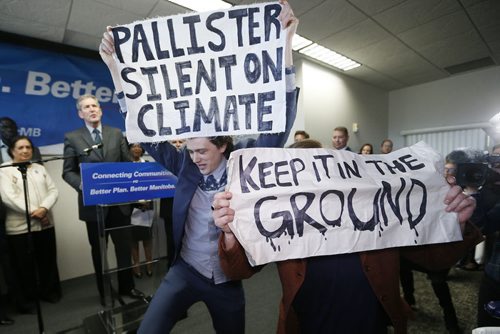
{"points": [[211, 184]]}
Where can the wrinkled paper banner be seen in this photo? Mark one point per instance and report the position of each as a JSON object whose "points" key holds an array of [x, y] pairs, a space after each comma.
{"points": [[203, 74], [298, 203]]}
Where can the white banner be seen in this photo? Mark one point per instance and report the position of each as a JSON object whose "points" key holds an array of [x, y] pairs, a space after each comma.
{"points": [[298, 203], [203, 74]]}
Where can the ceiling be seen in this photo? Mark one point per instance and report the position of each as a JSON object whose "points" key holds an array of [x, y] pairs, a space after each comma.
{"points": [[400, 43]]}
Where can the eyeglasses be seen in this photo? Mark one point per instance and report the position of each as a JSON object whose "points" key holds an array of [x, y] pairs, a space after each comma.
{"points": [[451, 171]]}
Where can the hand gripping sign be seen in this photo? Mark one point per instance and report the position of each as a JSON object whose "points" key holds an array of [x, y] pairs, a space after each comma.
{"points": [[203, 74], [298, 203]]}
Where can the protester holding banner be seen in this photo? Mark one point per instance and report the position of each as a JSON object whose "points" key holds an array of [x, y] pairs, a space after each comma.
{"points": [[200, 167], [111, 147], [345, 293], [43, 195]]}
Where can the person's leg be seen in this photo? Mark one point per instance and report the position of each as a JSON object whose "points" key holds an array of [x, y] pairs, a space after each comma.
{"points": [[226, 304], [134, 249], [442, 291], [148, 254], [176, 293], [46, 254], [407, 283], [166, 205], [121, 239], [489, 290], [95, 250], [22, 273]]}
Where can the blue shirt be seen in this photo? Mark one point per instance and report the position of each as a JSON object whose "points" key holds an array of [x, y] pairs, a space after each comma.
{"points": [[200, 240]]}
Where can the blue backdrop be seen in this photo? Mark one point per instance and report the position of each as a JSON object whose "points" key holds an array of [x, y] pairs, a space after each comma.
{"points": [[39, 88]]}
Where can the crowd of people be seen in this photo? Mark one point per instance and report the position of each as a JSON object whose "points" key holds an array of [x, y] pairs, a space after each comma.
{"points": [[206, 261]]}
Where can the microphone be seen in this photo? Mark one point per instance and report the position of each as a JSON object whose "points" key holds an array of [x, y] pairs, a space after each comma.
{"points": [[91, 148]]}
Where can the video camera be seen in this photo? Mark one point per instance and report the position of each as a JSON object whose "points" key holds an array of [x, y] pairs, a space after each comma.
{"points": [[476, 174]]}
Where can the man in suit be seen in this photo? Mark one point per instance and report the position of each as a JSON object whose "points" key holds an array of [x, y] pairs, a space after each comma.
{"points": [[340, 138], [114, 149]]}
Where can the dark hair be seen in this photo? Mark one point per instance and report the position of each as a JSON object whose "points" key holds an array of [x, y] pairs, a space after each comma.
{"points": [[342, 129], [14, 141], [8, 129], [306, 143], [385, 141], [302, 133], [366, 144], [132, 144], [219, 141]]}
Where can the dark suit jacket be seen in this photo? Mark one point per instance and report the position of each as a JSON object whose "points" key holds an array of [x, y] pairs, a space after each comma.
{"points": [[114, 149]]}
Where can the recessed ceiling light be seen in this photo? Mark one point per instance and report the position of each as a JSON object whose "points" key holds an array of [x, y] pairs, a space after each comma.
{"points": [[203, 6], [299, 43], [329, 57]]}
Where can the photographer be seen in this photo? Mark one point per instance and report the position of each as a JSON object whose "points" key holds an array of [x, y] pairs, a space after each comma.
{"points": [[487, 217]]}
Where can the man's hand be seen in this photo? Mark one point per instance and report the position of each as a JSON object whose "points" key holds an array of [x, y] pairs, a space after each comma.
{"points": [[223, 215], [106, 50], [461, 203], [288, 20], [107, 47]]}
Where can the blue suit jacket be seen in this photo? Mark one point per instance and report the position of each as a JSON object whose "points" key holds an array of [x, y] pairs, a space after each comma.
{"points": [[189, 176]]}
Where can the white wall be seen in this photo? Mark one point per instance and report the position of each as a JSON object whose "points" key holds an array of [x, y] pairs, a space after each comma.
{"points": [[329, 99], [472, 97], [73, 250]]}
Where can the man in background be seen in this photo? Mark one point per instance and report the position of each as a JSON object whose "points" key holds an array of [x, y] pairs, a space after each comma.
{"points": [[340, 138], [386, 146], [9, 130], [114, 149]]}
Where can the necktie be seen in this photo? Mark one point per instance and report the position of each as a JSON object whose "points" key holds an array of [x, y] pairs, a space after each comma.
{"points": [[211, 184], [97, 136], [97, 140]]}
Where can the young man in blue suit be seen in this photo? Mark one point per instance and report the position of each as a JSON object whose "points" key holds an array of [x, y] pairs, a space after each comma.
{"points": [[195, 274]]}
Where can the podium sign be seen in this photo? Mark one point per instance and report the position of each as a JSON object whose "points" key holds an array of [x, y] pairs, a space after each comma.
{"points": [[123, 182]]}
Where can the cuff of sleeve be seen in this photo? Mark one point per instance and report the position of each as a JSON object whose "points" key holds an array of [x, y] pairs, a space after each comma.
{"points": [[121, 102], [290, 79]]}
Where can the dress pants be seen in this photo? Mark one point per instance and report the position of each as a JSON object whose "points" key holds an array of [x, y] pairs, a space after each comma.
{"points": [[182, 287], [439, 286], [45, 256], [122, 240]]}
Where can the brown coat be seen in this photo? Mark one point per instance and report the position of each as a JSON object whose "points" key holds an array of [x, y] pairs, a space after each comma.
{"points": [[381, 268]]}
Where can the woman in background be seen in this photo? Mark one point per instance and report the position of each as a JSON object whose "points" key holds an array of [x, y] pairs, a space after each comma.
{"points": [[42, 197], [366, 149]]}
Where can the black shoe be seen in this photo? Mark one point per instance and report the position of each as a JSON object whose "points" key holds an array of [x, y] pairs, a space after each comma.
{"points": [[134, 293], [52, 298], [5, 321], [149, 273], [138, 275], [26, 308]]}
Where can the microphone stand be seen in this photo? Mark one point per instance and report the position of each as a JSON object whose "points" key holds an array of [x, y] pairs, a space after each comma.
{"points": [[23, 168]]}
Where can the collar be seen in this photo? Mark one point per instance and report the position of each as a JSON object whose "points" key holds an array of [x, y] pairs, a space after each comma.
{"points": [[99, 127], [219, 171]]}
